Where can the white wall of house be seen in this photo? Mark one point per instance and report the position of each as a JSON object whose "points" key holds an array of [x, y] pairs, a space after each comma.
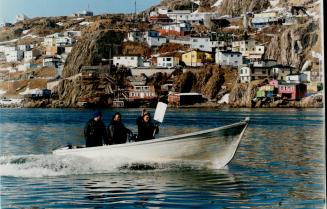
{"points": [[24, 47], [14, 56], [128, 61], [156, 41], [296, 78], [245, 74], [135, 36], [202, 43], [229, 58], [167, 62], [6, 49]]}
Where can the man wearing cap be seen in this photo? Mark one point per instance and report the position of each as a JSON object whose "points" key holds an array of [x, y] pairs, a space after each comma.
{"points": [[146, 128], [95, 131]]}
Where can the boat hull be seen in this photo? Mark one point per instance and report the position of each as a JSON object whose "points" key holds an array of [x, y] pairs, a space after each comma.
{"points": [[216, 146]]}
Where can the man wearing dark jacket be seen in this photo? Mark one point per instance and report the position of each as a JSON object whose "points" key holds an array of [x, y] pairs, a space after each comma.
{"points": [[95, 131], [146, 128], [117, 132]]}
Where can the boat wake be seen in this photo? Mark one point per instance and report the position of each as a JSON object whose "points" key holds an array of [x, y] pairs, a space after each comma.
{"points": [[50, 165]]}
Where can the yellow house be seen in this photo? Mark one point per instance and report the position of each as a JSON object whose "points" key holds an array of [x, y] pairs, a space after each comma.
{"points": [[196, 58]]}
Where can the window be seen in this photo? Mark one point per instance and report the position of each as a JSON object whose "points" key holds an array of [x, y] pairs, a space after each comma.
{"points": [[195, 40], [132, 58], [201, 46], [168, 59], [231, 55], [241, 71], [263, 71]]}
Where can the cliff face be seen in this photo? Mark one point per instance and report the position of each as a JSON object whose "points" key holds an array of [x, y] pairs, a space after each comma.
{"points": [[238, 7], [208, 81], [92, 47], [293, 45], [242, 94]]}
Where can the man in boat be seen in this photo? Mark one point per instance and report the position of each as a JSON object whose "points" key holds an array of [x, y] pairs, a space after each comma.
{"points": [[95, 131], [146, 127], [117, 132]]}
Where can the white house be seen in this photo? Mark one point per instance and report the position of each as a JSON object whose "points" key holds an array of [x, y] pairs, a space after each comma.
{"points": [[175, 29], [51, 61], [249, 48], [135, 36], [6, 49], [296, 78], [128, 61], [83, 13], [24, 47], [167, 61], [153, 39], [21, 17], [49, 41], [229, 58], [265, 18], [14, 56], [202, 43], [63, 41], [32, 54], [2, 57], [72, 33]]}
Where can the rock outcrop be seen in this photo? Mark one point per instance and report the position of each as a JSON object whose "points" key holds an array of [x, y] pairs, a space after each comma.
{"points": [[91, 49], [293, 45], [208, 81], [242, 94], [238, 7]]}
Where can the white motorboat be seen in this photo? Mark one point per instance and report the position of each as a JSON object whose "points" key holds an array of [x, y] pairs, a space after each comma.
{"points": [[216, 146]]}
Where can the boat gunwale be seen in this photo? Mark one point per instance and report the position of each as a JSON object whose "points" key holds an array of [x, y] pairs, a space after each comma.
{"points": [[159, 140]]}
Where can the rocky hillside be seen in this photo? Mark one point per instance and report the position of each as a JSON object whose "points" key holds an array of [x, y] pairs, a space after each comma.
{"points": [[238, 7], [91, 49], [210, 80], [293, 44]]}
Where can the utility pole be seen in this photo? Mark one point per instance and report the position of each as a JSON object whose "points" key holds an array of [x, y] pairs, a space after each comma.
{"points": [[135, 10]]}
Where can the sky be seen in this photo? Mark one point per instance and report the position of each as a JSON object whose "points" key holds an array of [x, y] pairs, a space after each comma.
{"points": [[45, 8]]}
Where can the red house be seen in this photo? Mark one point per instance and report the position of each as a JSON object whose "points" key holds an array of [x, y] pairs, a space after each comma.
{"points": [[292, 91]]}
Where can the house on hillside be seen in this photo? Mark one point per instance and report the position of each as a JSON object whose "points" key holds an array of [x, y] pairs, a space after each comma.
{"points": [[296, 78], [250, 49], [264, 19], [175, 29], [51, 61], [141, 94], [229, 58], [265, 69], [167, 60], [128, 61], [153, 38], [24, 47], [134, 36], [14, 56], [84, 13], [32, 54], [195, 58], [292, 91]]}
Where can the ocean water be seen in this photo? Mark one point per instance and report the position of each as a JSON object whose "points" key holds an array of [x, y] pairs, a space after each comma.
{"points": [[280, 163]]}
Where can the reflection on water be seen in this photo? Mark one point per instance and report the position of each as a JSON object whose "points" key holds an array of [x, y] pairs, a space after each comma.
{"points": [[279, 164]]}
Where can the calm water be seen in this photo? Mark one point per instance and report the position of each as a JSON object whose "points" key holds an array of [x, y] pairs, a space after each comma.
{"points": [[279, 164]]}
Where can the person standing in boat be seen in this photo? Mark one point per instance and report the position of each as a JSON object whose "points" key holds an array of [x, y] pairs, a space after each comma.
{"points": [[146, 127], [95, 131], [117, 132]]}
